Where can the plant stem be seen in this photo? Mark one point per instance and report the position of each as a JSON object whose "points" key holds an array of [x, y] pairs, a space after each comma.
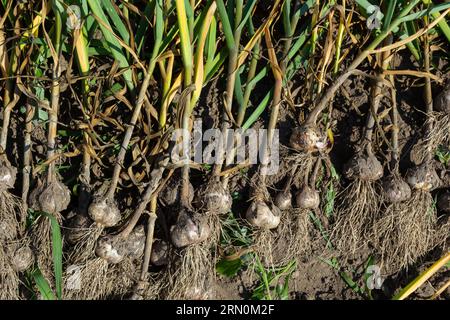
{"points": [[26, 171], [54, 104], [278, 75], [395, 128], [139, 102], [186, 51], [375, 98], [155, 179], [428, 94], [148, 241], [233, 47], [329, 94]]}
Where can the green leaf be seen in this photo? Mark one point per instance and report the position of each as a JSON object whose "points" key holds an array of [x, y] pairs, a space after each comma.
{"points": [[144, 24], [116, 21], [329, 197], [113, 44], [258, 111], [432, 10], [350, 283], [43, 286], [443, 155], [42, 115], [283, 290], [229, 268], [116, 87], [57, 253]]}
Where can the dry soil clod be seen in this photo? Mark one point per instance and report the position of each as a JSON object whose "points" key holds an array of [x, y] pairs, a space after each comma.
{"points": [[442, 101], [443, 202]]}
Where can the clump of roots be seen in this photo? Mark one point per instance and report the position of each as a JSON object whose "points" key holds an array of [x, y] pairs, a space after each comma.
{"points": [[148, 289], [111, 273], [357, 212], [191, 278], [437, 135], [191, 271], [11, 212], [98, 279], [82, 233], [9, 279], [87, 280], [85, 229], [406, 232], [300, 165], [50, 198], [294, 236]]}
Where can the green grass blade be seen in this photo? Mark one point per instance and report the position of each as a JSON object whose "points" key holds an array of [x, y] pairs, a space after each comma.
{"points": [[247, 13], [410, 29], [113, 45], [226, 25], [144, 25], [231, 5], [185, 41], [57, 254], [238, 94], [43, 286], [212, 67], [258, 111], [389, 12], [432, 10], [116, 21], [211, 41], [443, 25], [286, 14]]}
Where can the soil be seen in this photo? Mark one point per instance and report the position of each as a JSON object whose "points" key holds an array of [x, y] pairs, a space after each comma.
{"points": [[313, 278]]}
